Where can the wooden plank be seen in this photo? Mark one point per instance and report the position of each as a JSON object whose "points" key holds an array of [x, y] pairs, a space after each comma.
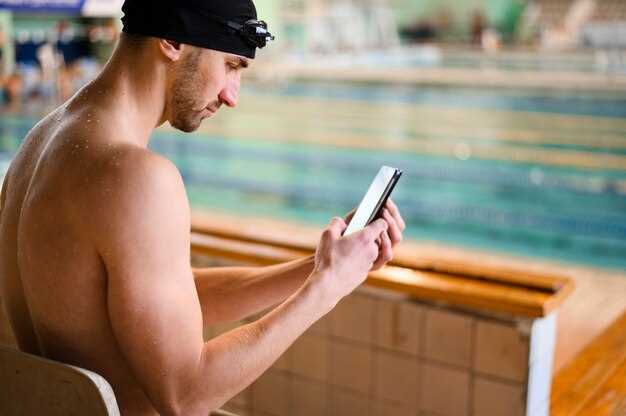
{"points": [[409, 255], [455, 290], [260, 254], [576, 384], [460, 291], [610, 398]]}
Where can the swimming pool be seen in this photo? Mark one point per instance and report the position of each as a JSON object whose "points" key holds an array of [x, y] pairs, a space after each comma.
{"points": [[524, 172]]}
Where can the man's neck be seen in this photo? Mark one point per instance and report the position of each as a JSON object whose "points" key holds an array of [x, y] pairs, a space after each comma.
{"points": [[132, 90]]}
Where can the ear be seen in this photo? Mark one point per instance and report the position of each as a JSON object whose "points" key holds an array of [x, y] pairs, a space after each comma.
{"points": [[172, 50]]}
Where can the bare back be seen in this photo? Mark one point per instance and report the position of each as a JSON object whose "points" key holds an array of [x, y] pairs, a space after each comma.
{"points": [[52, 278]]}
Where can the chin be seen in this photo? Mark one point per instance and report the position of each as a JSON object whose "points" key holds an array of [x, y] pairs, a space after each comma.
{"points": [[186, 126]]}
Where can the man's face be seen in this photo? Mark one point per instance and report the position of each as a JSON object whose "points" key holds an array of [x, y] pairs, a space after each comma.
{"points": [[203, 80]]}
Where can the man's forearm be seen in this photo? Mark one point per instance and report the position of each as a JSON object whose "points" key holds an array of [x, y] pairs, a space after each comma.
{"points": [[235, 359], [232, 293]]}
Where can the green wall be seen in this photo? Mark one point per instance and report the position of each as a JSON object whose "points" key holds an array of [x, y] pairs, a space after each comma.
{"points": [[501, 14], [496, 11]]}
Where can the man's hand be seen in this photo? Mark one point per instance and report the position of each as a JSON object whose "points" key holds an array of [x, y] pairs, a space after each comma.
{"points": [[390, 238], [342, 263]]}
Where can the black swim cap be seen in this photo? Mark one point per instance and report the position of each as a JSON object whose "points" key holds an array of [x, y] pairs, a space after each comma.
{"points": [[227, 26]]}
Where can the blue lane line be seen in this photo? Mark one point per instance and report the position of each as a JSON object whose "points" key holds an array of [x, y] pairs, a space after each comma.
{"points": [[426, 168], [453, 97]]}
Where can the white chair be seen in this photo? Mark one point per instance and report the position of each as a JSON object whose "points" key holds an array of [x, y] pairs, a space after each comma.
{"points": [[31, 385]]}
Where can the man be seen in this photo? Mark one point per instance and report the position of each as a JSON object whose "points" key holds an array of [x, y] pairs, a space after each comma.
{"points": [[94, 228]]}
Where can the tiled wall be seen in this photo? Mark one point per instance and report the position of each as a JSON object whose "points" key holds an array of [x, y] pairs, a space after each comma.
{"points": [[383, 354], [6, 335]]}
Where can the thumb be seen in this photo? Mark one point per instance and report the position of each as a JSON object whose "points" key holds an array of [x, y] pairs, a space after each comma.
{"points": [[375, 229], [336, 227]]}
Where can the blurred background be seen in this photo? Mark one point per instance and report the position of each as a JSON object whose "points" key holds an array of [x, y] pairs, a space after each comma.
{"points": [[508, 117]]}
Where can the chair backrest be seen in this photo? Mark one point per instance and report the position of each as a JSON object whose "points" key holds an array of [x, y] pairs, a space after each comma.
{"points": [[31, 385]]}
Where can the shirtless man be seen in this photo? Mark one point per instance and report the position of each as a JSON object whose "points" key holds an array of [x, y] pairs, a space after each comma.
{"points": [[94, 228]]}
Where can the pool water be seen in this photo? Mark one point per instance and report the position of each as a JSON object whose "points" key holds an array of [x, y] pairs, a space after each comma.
{"points": [[522, 172]]}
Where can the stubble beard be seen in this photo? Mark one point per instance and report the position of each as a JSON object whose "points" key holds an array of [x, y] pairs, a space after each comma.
{"points": [[184, 117]]}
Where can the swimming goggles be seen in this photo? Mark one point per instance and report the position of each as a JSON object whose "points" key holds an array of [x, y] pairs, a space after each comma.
{"points": [[253, 31]]}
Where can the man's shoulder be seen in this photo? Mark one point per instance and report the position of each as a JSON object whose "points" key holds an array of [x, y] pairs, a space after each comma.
{"points": [[135, 165], [135, 174], [125, 176], [137, 190]]}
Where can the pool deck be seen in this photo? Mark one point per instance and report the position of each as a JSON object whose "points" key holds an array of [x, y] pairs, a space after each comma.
{"points": [[485, 77], [578, 319]]}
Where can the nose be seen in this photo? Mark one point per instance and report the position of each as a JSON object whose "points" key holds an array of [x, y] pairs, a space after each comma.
{"points": [[230, 93]]}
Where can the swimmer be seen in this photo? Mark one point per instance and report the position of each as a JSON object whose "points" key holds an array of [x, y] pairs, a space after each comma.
{"points": [[94, 227]]}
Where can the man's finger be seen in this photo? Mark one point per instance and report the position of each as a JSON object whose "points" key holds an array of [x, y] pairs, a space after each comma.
{"points": [[395, 234], [349, 216], [395, 212], [336, 227], [385, 252], [374, 230], [387, 248]]}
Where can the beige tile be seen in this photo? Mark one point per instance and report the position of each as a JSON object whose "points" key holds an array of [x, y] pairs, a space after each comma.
{"points": [[448, 337], [310, 357], [270, 394], [353, 318], [282, 364], [501, 351], [347, 403], [393, 409], [243, 399], [351, 366], [398, 325], [239, 411], [444, 391], [397, 378], [284, 361], [207, 332], [492, 398], [309, 398], [321, 326], [221, 328]]}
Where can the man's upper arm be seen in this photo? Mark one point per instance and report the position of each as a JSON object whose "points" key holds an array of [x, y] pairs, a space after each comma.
{"points": [[152, 301]]}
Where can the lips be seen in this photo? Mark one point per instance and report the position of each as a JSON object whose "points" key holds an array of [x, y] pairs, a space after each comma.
{"points": [[212, 110]]}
